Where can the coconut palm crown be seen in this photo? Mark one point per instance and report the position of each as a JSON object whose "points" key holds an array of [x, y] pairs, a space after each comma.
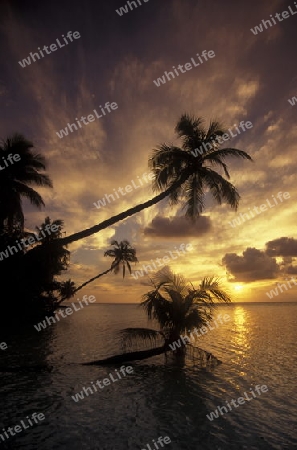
{"points": [[176, 306], [190, 172], [123, 255]]}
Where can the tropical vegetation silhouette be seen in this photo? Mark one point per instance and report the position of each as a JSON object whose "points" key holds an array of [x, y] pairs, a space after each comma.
{"points": [[40, 267], [30, 274], [67, 290], [16, 181], [176, 306]]}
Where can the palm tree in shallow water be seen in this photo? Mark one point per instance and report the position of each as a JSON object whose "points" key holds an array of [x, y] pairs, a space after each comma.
{"points": [[16, 180], [185, 175], [122, 253], [177, 307]]}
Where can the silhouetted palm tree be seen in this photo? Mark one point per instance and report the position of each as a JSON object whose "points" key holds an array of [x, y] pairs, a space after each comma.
{"points": [[16, 179], [123, 255], [182, 176], [178, 307], [67, 289]]}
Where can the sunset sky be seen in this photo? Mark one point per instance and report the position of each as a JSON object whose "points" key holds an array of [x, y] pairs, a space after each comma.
{"points": [[116, 59]]}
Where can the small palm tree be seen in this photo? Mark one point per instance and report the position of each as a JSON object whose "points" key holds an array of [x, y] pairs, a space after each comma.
{"points": [[182, 176], [123, 255], [67, 289], [16, 179], [178, 307]]}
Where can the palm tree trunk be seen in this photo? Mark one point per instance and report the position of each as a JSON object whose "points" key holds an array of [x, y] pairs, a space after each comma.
{"points": [[125, 357], [92, 279], [86, 282], [129, 212]]}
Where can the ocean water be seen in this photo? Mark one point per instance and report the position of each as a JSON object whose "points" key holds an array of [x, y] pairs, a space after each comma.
{"points": [[257, 346]]}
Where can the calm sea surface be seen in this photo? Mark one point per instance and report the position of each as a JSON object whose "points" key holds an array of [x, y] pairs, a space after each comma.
{"points": [[257, 346]]}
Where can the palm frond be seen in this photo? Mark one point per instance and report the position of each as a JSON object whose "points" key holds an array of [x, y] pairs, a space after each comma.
{"points": [[212, 285], [194, 197], [217, 160], [30, 193], [215, 129], [32, 176], [187, 125], [167, 163], [227, 152], [131, 336], [220, 188]]}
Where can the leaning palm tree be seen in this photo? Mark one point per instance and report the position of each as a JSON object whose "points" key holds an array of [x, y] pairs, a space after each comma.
{"points": [[183, 176], [16, 180], [123, 255], [177, 307]]}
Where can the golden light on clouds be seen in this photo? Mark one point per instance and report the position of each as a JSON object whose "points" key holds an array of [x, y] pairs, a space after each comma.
{"points": [[237, 85]]}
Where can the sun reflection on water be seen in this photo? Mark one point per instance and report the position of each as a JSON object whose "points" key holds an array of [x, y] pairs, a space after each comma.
{"points": [[240, 337]]}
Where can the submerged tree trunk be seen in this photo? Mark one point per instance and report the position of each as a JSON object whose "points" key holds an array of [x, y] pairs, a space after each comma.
{"points": [[202, 359], [125, 357]]}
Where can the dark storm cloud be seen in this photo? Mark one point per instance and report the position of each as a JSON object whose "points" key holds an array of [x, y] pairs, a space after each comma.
{"points": [[283, 246], [253, 265], [177, 227]]}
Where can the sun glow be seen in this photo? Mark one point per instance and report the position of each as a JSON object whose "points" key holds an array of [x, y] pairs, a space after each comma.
{"points": [[238, 287]]}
